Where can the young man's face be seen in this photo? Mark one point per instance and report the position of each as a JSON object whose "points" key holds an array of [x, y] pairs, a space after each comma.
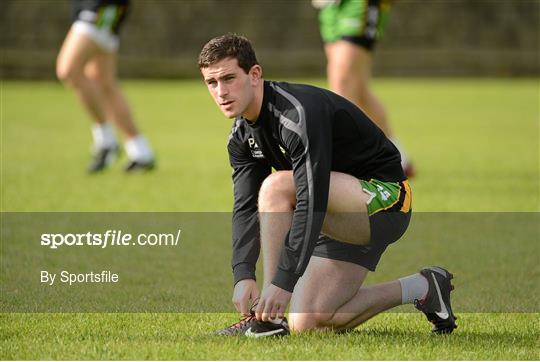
{"points": [[232, 89]]}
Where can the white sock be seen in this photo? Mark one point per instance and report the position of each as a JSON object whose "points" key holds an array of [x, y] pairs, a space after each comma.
{"points": [[404, 157], [103, 135], [138, 149], [414, 287]]}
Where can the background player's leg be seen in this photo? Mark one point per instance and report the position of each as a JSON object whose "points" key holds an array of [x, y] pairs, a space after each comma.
{"points": [[102, 69], [76, 51], [349, 75]]}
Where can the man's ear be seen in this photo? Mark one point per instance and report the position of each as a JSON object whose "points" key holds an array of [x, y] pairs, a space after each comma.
{"points": [[255, 74]]}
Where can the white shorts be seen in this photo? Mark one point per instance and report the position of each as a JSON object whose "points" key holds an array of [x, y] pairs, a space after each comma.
{"points": [[104, 38]]}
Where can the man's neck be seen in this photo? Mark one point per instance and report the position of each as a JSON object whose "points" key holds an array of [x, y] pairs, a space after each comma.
{"points": [[252, 113]]}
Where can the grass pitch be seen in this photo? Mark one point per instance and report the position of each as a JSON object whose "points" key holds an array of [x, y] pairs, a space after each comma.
{"points": [[401, 336], [474, 142]]}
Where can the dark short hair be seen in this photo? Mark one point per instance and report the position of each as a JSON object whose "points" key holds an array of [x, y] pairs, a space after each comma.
{"points": [[228, 46]]}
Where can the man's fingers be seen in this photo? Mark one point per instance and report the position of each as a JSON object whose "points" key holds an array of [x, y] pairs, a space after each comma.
{"points": [[281, 312], [260, 309], [243, 307], [277, 312], [272, 304], [237, 306], [265, 317], [273, 312]]}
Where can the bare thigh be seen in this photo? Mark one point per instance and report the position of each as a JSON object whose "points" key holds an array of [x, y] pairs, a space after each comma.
{"points": [[76, 51], [102, 68], [348, 62], [347, 216]]}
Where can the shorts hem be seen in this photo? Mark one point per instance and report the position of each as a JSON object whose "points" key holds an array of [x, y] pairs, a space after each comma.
{"points": [[370, 264], [106, 40], [361, 41]]}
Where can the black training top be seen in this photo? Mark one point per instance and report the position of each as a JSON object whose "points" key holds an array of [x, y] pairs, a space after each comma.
{"points": [[311, 131]]}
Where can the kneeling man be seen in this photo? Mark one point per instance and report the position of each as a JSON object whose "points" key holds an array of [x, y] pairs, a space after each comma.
{"points": [[337, 199]]}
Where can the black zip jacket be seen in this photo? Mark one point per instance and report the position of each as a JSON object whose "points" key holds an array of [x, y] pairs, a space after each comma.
{"points": [[311, 131]]}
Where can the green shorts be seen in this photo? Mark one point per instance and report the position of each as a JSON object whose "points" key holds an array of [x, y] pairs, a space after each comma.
{"points": [[361, 22], [387, 196], [389, 210]]}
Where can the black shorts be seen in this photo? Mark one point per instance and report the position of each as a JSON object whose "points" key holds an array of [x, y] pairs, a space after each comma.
{"points": [[103, 14], [387, 225]]}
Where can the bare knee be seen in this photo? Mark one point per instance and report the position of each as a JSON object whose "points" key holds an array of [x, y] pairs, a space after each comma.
{"points": [[277, 192], [303, 322], [69, 74]]}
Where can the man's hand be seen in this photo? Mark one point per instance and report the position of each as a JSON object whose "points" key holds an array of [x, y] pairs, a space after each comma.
{"points": [[272, 303], [245, 293]]}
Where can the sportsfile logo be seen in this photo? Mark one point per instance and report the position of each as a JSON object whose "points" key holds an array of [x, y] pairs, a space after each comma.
{"points": [[110, 238]]}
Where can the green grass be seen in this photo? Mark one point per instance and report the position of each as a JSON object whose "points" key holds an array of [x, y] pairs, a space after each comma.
{"points": [[184, 336], [475, 144]]}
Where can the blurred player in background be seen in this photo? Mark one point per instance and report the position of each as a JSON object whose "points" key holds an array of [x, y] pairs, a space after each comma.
{"points": [[350, 29], [88, 64]]}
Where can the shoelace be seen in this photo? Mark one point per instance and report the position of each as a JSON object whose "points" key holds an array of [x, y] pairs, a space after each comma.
{"points": [[243, 321], [240, 324], [252, 309]]}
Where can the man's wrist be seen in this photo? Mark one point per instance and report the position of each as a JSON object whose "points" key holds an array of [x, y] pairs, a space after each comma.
{"points": [[243, 271], [285, 280]]}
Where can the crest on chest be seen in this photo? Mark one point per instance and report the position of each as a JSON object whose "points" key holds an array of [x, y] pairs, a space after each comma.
{"points": [[254, 148]]}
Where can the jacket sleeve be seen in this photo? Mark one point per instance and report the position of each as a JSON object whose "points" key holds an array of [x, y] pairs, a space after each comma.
{"points": [[248, 175], [307, 135]]}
